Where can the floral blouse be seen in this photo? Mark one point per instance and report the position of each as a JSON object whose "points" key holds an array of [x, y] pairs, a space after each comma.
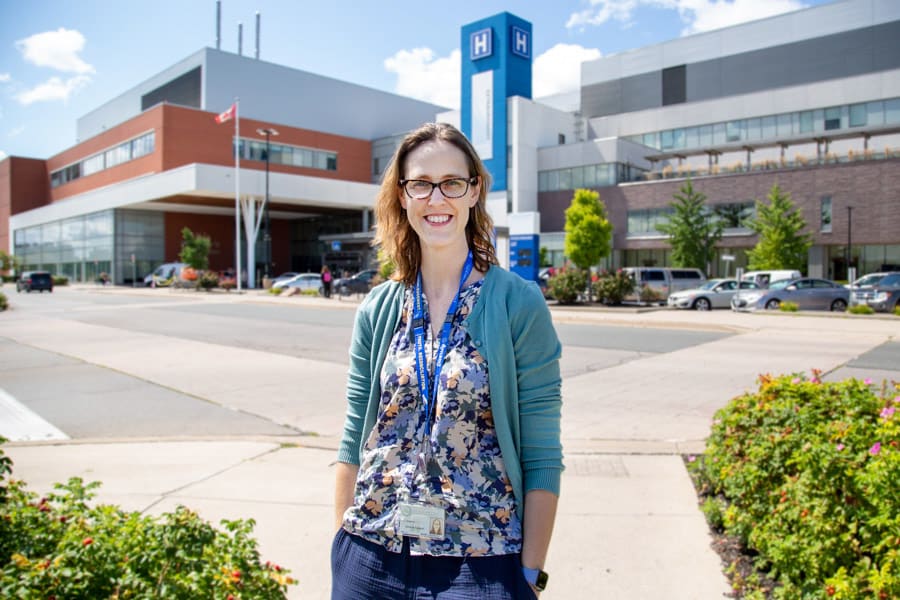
{"points": [[465, 473]]}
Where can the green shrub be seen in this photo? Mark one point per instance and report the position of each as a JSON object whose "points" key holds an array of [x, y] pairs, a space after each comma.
{"points": [[861, 309], [897, 310], [808, 475], [275, 291], [567, 285], [208, 280], [788, 306], [60, 280], [59, 546], [4, 303], [611, 288]]}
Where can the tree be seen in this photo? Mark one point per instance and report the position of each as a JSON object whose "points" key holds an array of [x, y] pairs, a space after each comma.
{"points": [[779, 225], [588, 231], [8, 262], [195, 249], [692, 230]]}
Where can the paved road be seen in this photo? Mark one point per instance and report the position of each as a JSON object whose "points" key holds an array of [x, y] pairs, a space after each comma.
{"points": [[232, 404]]}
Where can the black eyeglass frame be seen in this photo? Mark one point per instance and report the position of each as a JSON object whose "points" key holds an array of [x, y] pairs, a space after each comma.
{"points": [[469, 183]]}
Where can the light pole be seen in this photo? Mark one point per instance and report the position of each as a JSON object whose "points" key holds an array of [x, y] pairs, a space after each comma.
{"points": [[849, 228], [267, 237]]}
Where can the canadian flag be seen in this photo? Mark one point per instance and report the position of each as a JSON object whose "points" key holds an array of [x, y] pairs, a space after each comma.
{"points": [[227, 115]]}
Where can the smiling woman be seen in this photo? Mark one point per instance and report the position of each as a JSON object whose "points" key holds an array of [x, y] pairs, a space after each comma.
{"points": [[413, 496]]}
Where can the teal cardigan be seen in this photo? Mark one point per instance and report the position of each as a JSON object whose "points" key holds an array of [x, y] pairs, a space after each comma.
{"points": [[511, 327]]}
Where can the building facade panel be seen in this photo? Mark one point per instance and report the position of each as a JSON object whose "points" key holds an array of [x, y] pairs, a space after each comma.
{"points": [[23, 186]]}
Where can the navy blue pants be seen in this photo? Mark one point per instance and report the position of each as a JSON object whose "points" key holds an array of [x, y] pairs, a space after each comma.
{"points": [[364, 570]]}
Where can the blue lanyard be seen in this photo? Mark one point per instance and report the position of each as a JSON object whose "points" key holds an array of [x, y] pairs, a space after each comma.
{"points": [[428, 391]]}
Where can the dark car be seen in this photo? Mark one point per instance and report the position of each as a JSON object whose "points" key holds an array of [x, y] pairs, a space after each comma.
{"points": [[34, 281], [360, 283], [883, 296]]}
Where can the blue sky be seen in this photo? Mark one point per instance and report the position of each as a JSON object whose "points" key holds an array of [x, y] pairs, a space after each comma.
{"points": [[60, 59]]}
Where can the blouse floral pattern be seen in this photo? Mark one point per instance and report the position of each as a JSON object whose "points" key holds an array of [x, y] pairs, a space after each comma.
{"points": [[460, 469]]}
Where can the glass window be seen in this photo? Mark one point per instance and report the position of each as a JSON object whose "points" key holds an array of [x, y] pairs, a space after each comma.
{"points": [[785, 128], [719, 134], [875, 113], [590, 176], [806, 121], [143, 145], [706, 136], [605, 175], [565, 179], [768, 128], [857, 115], [331, 161], [553, 181], [734, 131], [825, 212], [542, 181], [678, 138], [832, 118], [754, 129], [652, 140], [577, 178], [691, 137], [98, 224], [892, 111], [92, 164], [667, 140], [819, 119]]}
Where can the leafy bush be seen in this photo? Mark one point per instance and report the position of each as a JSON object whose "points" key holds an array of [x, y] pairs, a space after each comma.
{"points": [[4, 303], [567, 284], [805, 474], [60, 547], [275, 291], [788, 306], [897, 310], [60, 280], [228, 284], [861, 309], [611, 288], [207, 280]]}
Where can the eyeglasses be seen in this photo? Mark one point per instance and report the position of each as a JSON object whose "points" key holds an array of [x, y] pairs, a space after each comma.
{"points": [[420, 189]]}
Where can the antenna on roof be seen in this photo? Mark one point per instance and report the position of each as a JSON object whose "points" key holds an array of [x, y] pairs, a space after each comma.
{"points": [[257, 35], [240, 39], [218, 24]]}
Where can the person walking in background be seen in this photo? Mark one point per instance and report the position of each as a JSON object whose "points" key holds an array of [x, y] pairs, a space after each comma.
{"points": [[449, 466], [326, 281]]}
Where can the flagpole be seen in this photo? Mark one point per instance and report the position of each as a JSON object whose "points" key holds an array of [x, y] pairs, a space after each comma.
{"points": [[237, 192]]}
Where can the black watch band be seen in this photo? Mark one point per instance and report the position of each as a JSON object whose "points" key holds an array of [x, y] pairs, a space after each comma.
{"points": [[536, 577]]}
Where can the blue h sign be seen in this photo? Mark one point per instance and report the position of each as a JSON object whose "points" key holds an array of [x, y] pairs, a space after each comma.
{"points": [[480, 44], [489, 77], [521, 42]]}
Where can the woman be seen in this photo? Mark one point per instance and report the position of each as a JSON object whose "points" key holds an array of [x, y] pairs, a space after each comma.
{"points": [[325, 276], [448, 471]]}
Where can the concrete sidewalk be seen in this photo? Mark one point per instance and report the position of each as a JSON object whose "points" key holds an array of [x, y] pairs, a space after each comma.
{"points": [[628, 527]]}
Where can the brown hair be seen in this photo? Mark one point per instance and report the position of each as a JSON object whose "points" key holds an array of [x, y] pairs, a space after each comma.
{"points": [[393, 233]]}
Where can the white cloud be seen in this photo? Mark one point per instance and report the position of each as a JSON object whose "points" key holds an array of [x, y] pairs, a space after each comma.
{"points": [[55, 49], [53, 89], [558, 70], [423, 76], [5, 78], [3, 154], [16, 131], [697, 15]]}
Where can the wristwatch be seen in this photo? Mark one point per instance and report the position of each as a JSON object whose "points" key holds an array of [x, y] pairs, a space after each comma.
{"points": [[536, 577]]}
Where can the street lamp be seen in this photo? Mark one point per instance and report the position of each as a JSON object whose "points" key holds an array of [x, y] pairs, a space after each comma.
{"points": [[267, 237]]}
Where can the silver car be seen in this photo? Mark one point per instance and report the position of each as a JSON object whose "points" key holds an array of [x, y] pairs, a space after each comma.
{"points": [[807, 293], [715, 293], [303, 281]]}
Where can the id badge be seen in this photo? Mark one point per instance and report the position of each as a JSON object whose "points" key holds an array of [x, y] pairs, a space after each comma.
{"points": [[421, 521]]}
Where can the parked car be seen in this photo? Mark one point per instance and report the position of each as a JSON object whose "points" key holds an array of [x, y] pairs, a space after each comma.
{"points": [[303, 281], [715, 293], [360, 283], [165, 274], [284, 277], [883, 295], [654, 284], [35, 281], [808, 293], [869, 281], [766, 278]]}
